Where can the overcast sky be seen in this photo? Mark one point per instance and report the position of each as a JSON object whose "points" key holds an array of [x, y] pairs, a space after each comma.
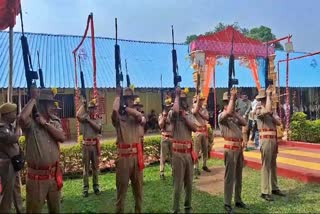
{"points": [[150, 20]]}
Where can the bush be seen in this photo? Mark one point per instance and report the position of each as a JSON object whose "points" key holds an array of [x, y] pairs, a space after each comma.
{"points": [[71, 156], [303, 129]]}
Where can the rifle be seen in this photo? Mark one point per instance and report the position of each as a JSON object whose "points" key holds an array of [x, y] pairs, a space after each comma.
{"points": [[127, 76], [176, 77], [40, 72], [30, 74], [161, 93], [119, 75], [198, 80], [267, 80], [232, 81], [83, 87]]}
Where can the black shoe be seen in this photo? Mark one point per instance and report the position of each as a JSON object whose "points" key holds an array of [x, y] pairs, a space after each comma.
{"points": [[85, 194], [228, 209], [241, 205], [162, 177], [197, 172], [267, 197], [278, 192], [206, 169], [97, 191]]}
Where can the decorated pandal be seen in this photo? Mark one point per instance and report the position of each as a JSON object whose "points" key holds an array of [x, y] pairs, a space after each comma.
{"points": [[259, 57]]}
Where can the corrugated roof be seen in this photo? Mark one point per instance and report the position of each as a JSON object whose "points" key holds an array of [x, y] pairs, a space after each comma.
{"points": [[146, 62]]}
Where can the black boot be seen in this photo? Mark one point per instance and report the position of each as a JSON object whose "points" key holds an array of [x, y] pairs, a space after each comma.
{"points": [[206, 169], [267, 197], [85, 194], [278, 192], [228, 209]]}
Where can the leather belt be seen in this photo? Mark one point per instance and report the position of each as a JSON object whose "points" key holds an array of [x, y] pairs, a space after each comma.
{"points": [[182, 150], [32, 166], [238, 140], [231, 147], [267, 130], [41, 177], [90, 141], [136, 150], [267, 137]]}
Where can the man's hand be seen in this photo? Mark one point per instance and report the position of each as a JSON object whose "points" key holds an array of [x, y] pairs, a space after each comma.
{"points": [[178, 91], [40, 119], [118, 91], [233, 93], [269, 91], [34, 92]]}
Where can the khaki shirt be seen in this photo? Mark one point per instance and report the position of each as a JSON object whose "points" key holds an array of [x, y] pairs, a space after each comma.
{"points": [[87, 130], [243, 106], [9, 146], [180, 129], [200, 120], [264, 119], [128, 129], [167, 125], [229, 127], [41, 148]]}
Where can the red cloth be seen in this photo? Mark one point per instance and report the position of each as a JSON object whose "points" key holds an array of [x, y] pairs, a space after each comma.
{"points": [[220, 43], [59, 176], [140, 156], [9, 9]]}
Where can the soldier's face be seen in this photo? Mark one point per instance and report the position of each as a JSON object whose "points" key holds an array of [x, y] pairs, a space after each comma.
{"points": [[51, 108], [10, 117], [130, 102]]}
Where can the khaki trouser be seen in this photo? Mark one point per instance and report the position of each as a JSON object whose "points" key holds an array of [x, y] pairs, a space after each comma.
{"points": [[245, 134], [17, 199], [127, 168], [90, 155], [165, 151], [7, 175], [182, 177], [269, 154], [201, 147], [40, 190], [233, 161]]}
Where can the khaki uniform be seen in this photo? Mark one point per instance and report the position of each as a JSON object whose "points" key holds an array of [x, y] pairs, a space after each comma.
{"points": [[90, 153], [8, 148], [128, 161], [269, 151], [201, 137], [44, 177], [233, 158], [166, 143], [17, 199], [182, 160], [244, 109]]}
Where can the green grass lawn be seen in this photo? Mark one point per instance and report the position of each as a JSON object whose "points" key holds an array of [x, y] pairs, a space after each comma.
{"points": [[301, 197]]}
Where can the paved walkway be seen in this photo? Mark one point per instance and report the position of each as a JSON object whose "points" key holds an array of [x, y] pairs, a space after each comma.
{"points": [[297, 161]]}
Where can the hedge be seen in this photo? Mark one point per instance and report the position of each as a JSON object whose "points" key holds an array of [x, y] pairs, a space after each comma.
{"points": [[303, 129], [71, 156]]}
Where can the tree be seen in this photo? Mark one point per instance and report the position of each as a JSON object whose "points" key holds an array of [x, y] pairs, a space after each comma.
{"points": [[262, 33]]}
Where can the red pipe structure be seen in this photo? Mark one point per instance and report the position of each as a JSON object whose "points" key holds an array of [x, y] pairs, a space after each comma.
{"points": [[95, 91], [278, 40], [215, 99], [287, 81]]}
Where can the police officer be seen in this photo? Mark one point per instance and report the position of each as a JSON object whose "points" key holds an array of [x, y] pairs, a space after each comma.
{"points": [[9, 150], [183, 156], [201, 135], [44, 176], [267, 120], [166, 135], [129, 164], [230, 123], [91, 127]]}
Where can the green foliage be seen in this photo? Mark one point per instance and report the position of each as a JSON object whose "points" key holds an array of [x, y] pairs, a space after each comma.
{"points": [[303, 129], [262, 33], [157, 196], [71, 156]]}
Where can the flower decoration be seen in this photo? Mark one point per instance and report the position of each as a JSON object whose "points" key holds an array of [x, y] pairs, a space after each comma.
{"points": [[132, 87], [54, 91], [56, 104], [94, 101], [22, 139], [186, 90]]}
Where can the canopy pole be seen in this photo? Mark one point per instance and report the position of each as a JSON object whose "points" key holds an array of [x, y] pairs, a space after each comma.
{"points": [[287, 98], [9, 95]]}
